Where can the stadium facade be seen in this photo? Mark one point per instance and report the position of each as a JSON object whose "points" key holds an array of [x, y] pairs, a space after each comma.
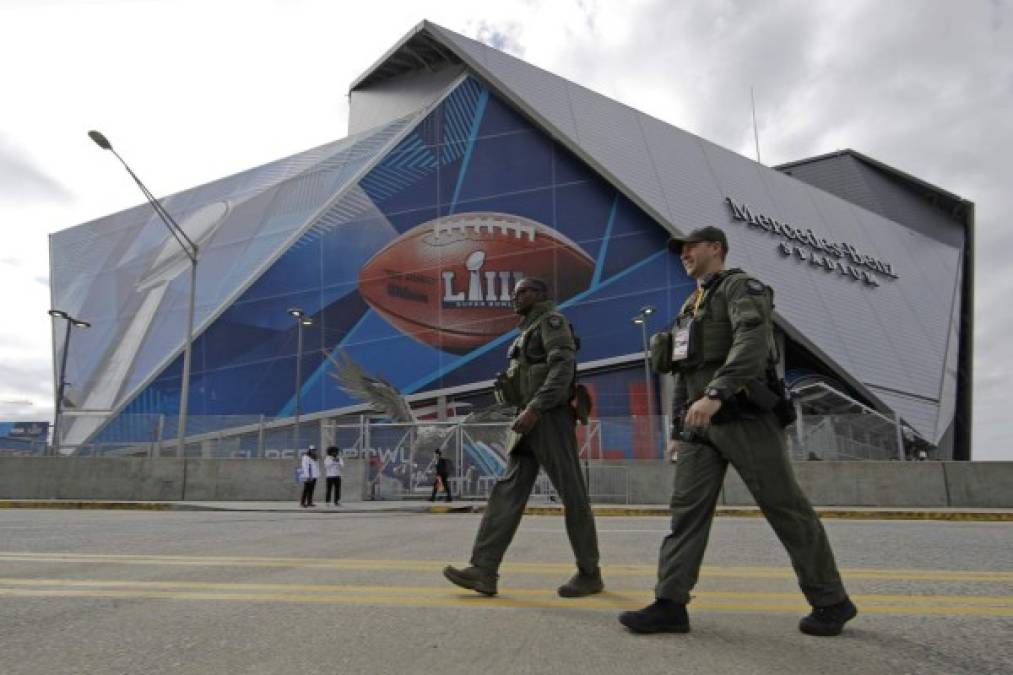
{"points": [[464, 169]]}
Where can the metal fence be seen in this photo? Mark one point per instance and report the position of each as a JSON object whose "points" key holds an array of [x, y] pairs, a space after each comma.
{"points": [[209, 436], [401, 462], [831, 426]]}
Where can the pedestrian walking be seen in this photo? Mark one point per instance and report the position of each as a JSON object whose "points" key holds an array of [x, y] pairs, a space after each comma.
{"points": [[729, 408], [540, 383], [442, 476]]}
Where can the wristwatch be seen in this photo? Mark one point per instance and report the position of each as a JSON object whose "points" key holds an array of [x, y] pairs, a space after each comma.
{"points": [[714, 394]]}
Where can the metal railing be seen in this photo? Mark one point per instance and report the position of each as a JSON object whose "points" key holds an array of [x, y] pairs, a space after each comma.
{"points": [[401, 464], [857, 433]]}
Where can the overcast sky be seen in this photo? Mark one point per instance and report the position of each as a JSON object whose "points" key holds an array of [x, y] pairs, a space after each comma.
{"points": [[190, 91]]}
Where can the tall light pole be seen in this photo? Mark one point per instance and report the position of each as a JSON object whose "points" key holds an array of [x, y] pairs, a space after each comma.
{"points": [[301, 320], [641, 320], [191, 251], [71, 323]]}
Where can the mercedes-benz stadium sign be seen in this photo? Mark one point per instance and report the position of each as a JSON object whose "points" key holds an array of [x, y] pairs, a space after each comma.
{"points": [[804, 245]]}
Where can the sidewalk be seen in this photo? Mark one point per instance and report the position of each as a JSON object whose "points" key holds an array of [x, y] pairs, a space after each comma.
{"points": [[541, 508]]}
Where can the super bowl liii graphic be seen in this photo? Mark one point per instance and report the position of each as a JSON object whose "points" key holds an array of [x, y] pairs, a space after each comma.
{"points": [[447, 282]]}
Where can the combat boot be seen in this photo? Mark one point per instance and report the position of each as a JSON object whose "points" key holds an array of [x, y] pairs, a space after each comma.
{"points": [[662, 616], [827, 621], [472, 578], [582, 583]]}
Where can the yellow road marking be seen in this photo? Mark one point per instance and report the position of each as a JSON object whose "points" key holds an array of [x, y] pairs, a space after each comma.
{"points": [[744, 572], [548, 593], [447, 599]]}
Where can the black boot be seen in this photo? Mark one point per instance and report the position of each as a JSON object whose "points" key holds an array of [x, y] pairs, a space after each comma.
{"points": [[472, 578], [827, 621], [582, 583], [662, 616]]}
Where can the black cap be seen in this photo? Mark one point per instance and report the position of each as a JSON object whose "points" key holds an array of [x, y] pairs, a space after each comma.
{"points": [[709, 233]]}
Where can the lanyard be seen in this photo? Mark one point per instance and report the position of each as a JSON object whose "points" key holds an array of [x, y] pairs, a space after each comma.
{"points": [[699, 301]]}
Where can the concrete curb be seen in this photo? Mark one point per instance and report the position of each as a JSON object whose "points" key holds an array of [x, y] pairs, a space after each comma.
{"points": [[91, 505], [824, 513], [835, 513]]}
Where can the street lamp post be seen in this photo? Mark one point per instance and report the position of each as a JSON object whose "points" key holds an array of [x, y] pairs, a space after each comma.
{"points": [[301, 320], [62, 385], [191, 251], [641, 320]]}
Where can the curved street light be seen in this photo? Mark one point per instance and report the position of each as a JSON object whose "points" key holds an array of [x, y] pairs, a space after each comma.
{"points": [[191, 251]]}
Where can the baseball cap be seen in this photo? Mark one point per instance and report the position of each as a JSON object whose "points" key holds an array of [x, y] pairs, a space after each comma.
{"points": [[708, 233]]}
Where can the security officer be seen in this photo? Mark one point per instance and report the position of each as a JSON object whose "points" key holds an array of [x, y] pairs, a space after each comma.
{"points": [[540, 383], [721, 345]]}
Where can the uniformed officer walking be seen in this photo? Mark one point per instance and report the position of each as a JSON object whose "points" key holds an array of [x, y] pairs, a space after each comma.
{"points": [[540, 383], [721, 347]]}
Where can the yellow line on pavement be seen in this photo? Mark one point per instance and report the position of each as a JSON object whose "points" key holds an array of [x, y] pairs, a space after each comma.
{"points": [[793, 598], [447, 599], [620, 570]]}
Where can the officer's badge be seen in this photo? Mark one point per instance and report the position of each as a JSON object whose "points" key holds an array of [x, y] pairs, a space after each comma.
{"points": [[555, 322], [755, 287]]}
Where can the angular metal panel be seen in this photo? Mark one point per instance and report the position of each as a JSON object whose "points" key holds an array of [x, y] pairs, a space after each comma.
{"points": [[396, 97], [612, 134]]}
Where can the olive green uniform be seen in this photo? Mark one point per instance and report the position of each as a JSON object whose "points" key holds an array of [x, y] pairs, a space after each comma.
{"points": [[734, 320], [542, 370]]}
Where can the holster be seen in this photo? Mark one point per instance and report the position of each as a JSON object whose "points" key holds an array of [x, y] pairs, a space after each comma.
{"points": [[660, 352], [784, 408], [582, 403], [760, 397], [507, 389]]}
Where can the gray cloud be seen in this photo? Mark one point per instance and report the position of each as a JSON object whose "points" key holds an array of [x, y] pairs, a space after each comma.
{"points": [[26, 379], [21, 181], [503, 37]]}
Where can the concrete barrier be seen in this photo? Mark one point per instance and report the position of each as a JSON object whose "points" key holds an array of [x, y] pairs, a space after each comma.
{"points": [[979, 484], [886, 484], [163, 479], [124, 478], [857, 484]]}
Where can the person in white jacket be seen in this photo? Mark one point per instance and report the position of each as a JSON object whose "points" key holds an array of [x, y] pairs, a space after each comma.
{"points": [[310, 474], [333, 463]]}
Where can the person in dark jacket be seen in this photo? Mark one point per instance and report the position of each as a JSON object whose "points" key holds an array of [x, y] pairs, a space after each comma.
{"points": [[442, 476]]}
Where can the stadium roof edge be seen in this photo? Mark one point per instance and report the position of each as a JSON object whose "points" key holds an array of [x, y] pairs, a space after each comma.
{"points": [[418, 47], [887, 169]]}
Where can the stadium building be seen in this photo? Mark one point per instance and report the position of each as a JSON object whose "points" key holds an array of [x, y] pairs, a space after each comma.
{"points": [[463, 170]]}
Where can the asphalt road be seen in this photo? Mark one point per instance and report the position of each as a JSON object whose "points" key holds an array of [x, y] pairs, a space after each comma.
{"points": [[146, 593]]}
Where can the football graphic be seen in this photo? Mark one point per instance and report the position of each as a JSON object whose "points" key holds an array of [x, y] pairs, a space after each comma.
{"points": [[447, 282]]}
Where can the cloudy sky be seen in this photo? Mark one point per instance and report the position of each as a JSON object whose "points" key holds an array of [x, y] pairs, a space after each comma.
{"points": [[190, 91]]}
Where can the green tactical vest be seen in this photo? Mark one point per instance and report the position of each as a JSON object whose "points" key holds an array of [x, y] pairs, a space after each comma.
{"points": [[544, 329], [712, 320]]}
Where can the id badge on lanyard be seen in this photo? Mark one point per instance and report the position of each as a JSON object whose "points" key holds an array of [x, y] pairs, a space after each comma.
{"points": [[680, 342]]}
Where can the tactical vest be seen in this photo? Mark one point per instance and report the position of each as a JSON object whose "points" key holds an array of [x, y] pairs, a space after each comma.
{"points": [[712, 322], [529, 352]]}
